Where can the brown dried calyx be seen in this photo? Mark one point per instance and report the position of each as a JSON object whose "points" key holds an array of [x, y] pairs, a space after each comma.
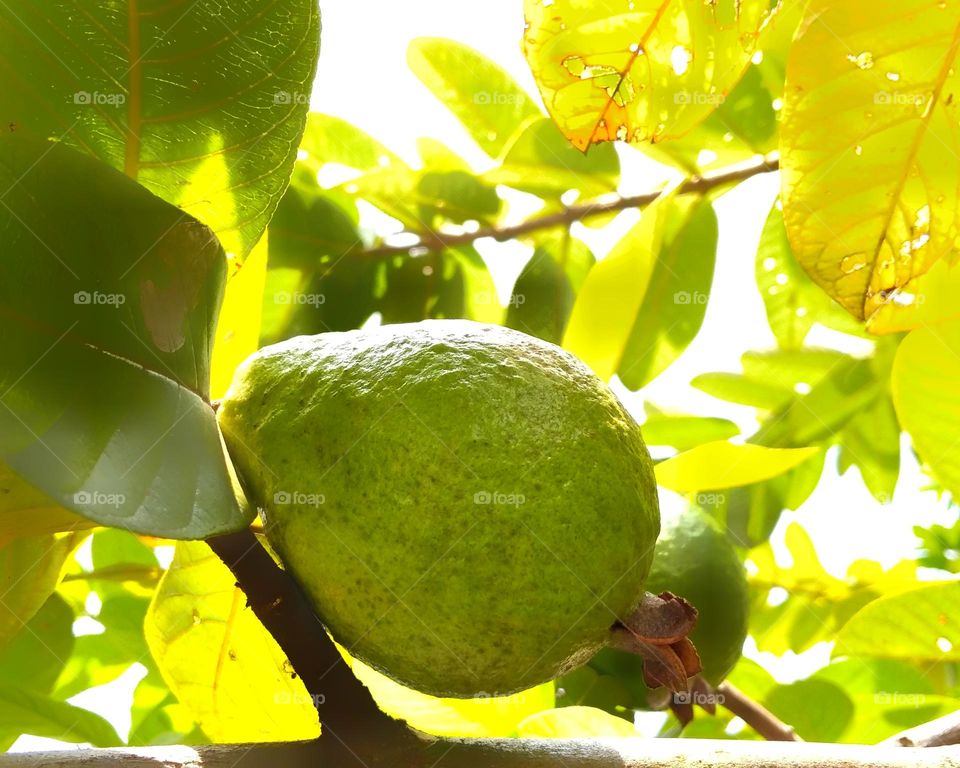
{"points": [[658, 631]]}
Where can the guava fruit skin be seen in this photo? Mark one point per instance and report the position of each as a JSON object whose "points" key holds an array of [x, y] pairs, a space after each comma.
{"points": [[472, 508]]}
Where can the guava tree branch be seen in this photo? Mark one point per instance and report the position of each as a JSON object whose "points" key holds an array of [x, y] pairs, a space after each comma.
{"points": [[754, 714], [503, 753], [941, 732], [437, 241], [343, 702]]}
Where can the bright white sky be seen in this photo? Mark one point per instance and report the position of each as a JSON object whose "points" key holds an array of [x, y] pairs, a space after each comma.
{"points": [[363, 77]]}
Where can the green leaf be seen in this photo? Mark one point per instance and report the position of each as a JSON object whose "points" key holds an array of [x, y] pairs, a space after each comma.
{"points": [[818, 710], [486, 100], [606, 309], [793, 301], [574, 723], [187, 100], [871, 442], [721, 464], [26, 511], [870, 245], [29, 573], [545, 291], [126, 288], [329, 139], [926, 398], [737, 388], [920, 624], [650, 71], [456, 196], [35, 657], [219, 660], [542, 162], [23, 711], [940, 546], [686, 432], [676, 297]]}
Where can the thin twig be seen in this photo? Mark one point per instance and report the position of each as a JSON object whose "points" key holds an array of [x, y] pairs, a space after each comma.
{"points": [[762, 720], [343, 703], [437, 241]]}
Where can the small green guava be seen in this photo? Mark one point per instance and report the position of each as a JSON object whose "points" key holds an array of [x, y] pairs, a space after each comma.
{"points": [[469, 509]]}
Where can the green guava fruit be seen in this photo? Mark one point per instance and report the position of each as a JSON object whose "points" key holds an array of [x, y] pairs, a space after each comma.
{"points": [[695, 560], [468, 508]]}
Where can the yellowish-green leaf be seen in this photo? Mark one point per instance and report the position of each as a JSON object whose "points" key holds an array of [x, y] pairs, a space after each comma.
{"points": [[29, 572], [575, 722], [727, 465], [603, 315], [871, 151], [922, 624], [648, 70], [480, 717], [927, 398], [238, 329], [25, 511], [219, 660]]}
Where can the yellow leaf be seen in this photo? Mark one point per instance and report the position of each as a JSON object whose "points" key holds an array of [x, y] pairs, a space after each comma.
{"points": [[725, 465], [927, 398], [647, 70], [219, 660], [480, 717], [238, 330], [871, 152], [573, 723]]}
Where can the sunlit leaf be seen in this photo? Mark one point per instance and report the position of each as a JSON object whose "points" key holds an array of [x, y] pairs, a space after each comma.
{"points": [[329, 139], [921, 624], [648, 71], [104, 360], [675, 301], [792, 300], [238, 328], [606, 310], [573, 723], [685, 432], [726, 465], [29, 572], [219, 660], [185, 99], [26, 511], [870, 150], [485, 716], [542, 162], [871, 442], [486, 100], [35, 656], [927, 400]]}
